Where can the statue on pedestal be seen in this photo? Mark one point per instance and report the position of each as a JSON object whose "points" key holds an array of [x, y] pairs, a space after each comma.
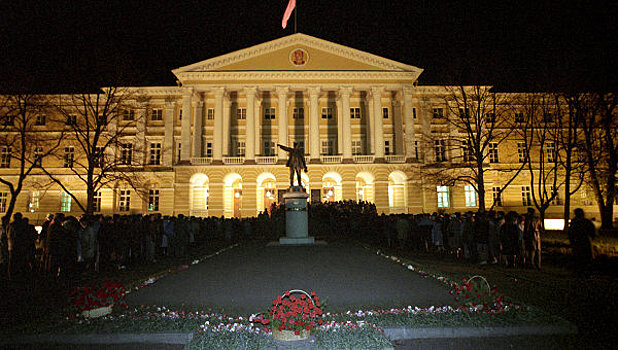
{"points": [[296, 162]]}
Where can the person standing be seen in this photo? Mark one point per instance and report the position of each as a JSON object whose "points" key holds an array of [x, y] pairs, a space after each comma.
{"points": [[581, 234], [532, 239], [16, 239]]}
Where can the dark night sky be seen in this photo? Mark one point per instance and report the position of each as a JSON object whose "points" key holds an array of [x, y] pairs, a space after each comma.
{"points": [[63, 45]]}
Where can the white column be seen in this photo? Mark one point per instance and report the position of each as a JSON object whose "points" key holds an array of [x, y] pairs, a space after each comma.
{"points": [[409, 124], [258, 125], [339, 114], [139, 146], [314, 123], [282, 117], [185, 127], [250, 124], [378, 132], [168, 138], [397, 127], [345, 92], [217, 139], [197, 128], [225, 138]]}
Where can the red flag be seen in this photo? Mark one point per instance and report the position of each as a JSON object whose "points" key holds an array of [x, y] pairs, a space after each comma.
{"points": [[288, 13]]}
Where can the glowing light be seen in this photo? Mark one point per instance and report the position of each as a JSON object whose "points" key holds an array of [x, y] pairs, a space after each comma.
{"points": [[330, 193], [554, 224]]}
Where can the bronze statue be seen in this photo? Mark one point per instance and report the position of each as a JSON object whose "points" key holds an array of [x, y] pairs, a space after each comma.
{"points": [[296, 162]]}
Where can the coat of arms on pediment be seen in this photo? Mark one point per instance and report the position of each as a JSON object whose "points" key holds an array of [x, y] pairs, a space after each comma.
{"points": [[299, 57]]}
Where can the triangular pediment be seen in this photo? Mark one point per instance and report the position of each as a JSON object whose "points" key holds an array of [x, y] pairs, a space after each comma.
{"points": [[298, 52]]}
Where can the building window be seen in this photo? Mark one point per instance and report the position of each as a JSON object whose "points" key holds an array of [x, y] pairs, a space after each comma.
{"points": [[155, 153], [298, 113], [417, 149], [269, 148], [69, 156], [387, 147], [327, 113], [438, 113], [519, 117], [470, 196], [38, 156], [65, 202], [126, 153], [269, 113], [355, 113], [180, 114], [493, 152], [5, 157], [4, 196], [208, 149], [128, 114], [464, 112], [124, 200], [40, 119], [385, 112], [241, 113], [34, 202], [99, 156], [71, 119], [443, 196], [413, 112], [440, 149], [556, 196], [102, 119], [357, 147], [153, 200], [466, 150], [521, 152], [490, 117], [584, 196], [96, 201], [550, 149], [8, 120], [156, 114], [210, 114], [497, 196], [327, 147], [178, 152], [526, 196], [548, 118], [239, 148]]}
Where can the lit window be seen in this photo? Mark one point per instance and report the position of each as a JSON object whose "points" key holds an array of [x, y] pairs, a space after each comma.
{"points": [[96, 201], [526, 196], [470, 196], [298, 113], [241, 113], [156, 114], [126, 153], [34, 202], [69, 156], [4, 196], [497, 196], [155, 153], [65, 202], [355, 113], [153, 200], [124, 200], [440, 150], [493, 152], [521, 152], [550, 149], [5, 157], [443, 196], [327, 113], [269, 113]]}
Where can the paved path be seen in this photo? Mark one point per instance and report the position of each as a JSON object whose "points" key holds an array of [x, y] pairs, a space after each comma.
{"points": [[245, 280]]}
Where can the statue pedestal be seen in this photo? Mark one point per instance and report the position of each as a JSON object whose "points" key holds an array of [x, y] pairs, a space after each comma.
{"points": [[296, 218]]}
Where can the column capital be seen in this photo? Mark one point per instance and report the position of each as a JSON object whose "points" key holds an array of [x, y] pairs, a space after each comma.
{"points": [[282, 90], [250, 90], [346, 90], [377, 90], [187, 92], [218, 91], [408, 90], [314, 91], [198, 104]]}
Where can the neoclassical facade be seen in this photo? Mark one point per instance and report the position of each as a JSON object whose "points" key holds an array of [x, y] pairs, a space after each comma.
{"points": [[210, 142]]}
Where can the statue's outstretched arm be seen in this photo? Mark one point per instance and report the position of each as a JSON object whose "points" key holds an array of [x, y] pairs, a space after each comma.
{"points": [[285, 148]]}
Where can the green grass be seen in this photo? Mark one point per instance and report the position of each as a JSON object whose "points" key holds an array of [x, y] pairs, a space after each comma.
{"points": [[558, 242]]}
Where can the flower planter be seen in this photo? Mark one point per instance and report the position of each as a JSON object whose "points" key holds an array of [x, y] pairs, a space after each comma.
{"points": [[98, 312], [288, 335]]}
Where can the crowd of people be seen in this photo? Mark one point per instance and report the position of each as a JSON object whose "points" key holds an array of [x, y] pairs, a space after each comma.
{"points": [[67, 245]]}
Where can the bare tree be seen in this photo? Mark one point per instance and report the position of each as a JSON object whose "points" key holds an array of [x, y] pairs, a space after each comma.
{"points": [[24, 140], [97, 152], [600, 145], [477, 122]]}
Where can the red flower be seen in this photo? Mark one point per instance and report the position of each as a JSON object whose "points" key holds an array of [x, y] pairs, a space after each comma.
{"points": [[296, 332]]}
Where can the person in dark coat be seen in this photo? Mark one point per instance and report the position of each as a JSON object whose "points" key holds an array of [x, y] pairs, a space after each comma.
{"points": [[17, 246], [509, 239], [581, 233], [54, 246]]}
